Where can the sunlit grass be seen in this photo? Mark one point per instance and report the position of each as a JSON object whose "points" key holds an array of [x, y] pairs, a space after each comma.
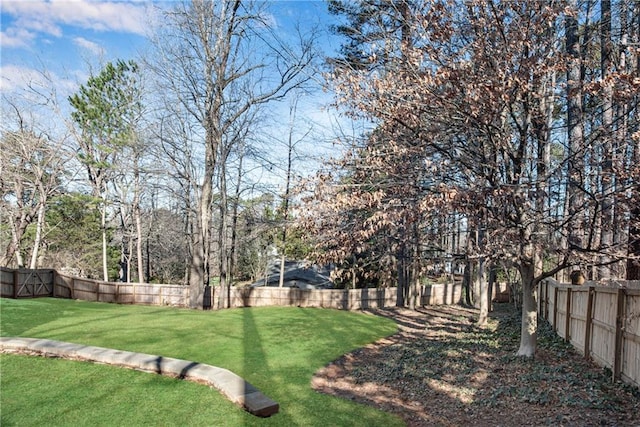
{"points": [[275, 348]]}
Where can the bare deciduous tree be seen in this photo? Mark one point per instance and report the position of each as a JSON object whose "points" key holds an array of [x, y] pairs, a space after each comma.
{"points": [[31, 167], [220, 60]]}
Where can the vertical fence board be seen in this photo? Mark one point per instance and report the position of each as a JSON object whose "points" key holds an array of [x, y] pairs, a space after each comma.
{"points": [[630, 369], [16, 283], [619, 323], [567, 318], [589, 323], [555, 309]]}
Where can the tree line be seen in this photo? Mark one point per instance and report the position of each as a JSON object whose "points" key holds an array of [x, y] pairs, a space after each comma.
{"points": [[143, 174], [505, 138]]}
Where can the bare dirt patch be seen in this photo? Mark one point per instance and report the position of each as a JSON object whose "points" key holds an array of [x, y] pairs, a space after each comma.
{"points": [[441, 369]]}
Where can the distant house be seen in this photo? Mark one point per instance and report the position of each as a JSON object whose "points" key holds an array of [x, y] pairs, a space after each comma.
{"points": [[297, 274]]}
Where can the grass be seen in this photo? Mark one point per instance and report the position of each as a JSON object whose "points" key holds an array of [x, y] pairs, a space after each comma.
{"points": [[277, 349]]}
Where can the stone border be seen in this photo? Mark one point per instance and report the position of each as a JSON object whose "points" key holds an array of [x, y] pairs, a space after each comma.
{"points": [[229, 384]]}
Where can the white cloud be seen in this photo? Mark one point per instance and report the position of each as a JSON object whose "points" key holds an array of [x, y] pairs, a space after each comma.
{"points": [[15, 79], [47, 17], [92, 47], [16, 37]]}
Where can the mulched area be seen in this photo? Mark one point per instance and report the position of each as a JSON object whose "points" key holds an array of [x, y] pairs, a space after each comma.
{"points": [[441, 369]]}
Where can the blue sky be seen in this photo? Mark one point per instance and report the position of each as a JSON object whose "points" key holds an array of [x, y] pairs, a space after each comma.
{"points": [[66, 37], [62, 37]]}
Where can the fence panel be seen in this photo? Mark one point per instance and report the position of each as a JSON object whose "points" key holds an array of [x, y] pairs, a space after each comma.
{"points": [[602, 322], [630, 369], [561, 319], [603, 329], [551, 308], [63, 286], [24, 283], [578, 317], [6, 283], [352, 299], [86, 290]]}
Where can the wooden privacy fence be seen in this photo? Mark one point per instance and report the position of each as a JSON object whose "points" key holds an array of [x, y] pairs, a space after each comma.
{"points": [[49, 283], [26, 283], [601, 322], [36, 283], [342, 299]]}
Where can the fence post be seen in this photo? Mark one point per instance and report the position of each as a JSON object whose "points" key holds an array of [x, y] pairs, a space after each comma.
{"points": [[546, 299], [555, 308], [540, 297], [16, 283], [617, 357], [589, 323], [538, 301], [53, 284], [567, 318]]}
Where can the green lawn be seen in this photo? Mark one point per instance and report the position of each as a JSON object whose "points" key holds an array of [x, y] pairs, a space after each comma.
{"points": [[277, 349]]}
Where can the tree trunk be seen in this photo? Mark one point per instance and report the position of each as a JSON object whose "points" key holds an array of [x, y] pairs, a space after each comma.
{"points": [[129, 260], [197, 276], [147, 265], [484, 296], [281, 280], [632, 240], [491, 286], [476, 284], [103, 224], [223, 256], [400, 296], [234, 218], [12, 247], [528, 335], [414, 283], [139, 243], [293, 109], [125, 248], [138, 220], [199, 261], [607, 175], [466, 283], [624, 123], [575, 133], [38, 239], [414, 294]]}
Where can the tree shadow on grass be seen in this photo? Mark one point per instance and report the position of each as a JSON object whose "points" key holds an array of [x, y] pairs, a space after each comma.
{"points": [[294, 351], [17, 316]]}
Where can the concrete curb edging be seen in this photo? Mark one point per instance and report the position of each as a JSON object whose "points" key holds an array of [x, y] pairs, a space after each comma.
{"points": [[229, 384]]}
